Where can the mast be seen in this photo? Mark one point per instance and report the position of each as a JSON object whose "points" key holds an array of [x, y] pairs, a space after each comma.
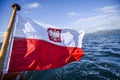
{"points": [[3, 51]]}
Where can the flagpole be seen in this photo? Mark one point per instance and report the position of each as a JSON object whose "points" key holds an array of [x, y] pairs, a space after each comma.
{"points": [[16, 8]]}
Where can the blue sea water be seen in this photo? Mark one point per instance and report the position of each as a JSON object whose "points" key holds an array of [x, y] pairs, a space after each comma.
{"points": [[101, 61]]}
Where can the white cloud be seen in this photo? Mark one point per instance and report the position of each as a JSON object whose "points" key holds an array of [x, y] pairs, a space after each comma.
{"points": [[1, 36], [2, 33], [100, 28], [95, 23], [109, 19], [89, 19], [70, 14], [108, 9], [33, 5]]}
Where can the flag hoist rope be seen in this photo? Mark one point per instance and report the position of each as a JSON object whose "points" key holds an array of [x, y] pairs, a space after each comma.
{"points": [[3, 51]]}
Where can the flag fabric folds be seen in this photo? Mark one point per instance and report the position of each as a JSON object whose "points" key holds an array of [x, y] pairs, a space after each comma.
{"points": [[36, 47]]}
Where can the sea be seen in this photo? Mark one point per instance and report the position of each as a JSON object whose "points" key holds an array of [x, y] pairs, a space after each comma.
{"points": [[100, 62]]}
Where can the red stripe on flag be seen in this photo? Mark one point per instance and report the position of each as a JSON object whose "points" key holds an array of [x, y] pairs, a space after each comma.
{"points": [[33, 54]]}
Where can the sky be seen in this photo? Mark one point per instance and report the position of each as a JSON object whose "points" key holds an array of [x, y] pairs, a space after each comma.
{"points": [[85, 15]]}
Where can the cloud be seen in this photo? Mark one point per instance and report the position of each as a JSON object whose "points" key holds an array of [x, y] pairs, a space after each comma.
{"points": [[100, 28], [100, 22], [108, 9], [109, 19], [71, 14], [2, 33], [89, 19], [2, 36], [33, 5]]}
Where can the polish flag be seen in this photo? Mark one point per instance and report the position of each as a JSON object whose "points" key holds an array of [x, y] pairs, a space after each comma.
{"points": [[36, 47]]}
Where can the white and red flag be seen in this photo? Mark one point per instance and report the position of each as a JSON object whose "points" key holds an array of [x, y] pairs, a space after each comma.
{"points": [[36, 47]]}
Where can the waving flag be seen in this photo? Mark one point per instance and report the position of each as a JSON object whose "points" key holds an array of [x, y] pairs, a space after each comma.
{"points": [[36, 47]]}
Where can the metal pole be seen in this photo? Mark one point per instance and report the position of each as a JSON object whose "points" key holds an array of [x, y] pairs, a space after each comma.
{"points": [[7, 35]]}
